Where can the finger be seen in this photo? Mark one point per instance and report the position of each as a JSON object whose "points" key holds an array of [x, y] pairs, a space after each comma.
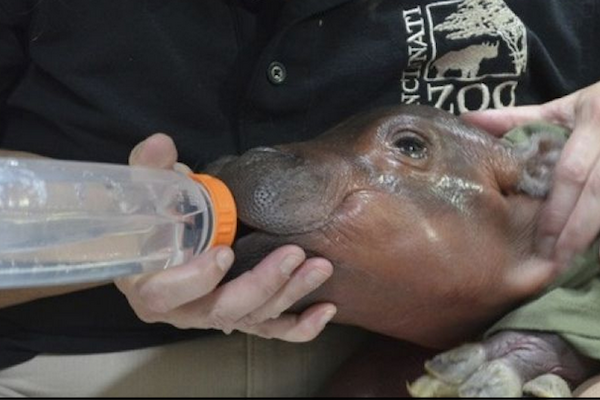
{"points": [[248, 292], [498, 122], [580, 154], [581, 230], [157, 151], [167, 290], [312, 274], [296, 328], [531, 277]]}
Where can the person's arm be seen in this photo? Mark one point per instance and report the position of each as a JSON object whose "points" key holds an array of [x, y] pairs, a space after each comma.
{"points": [[11, 297], [18, 154]]}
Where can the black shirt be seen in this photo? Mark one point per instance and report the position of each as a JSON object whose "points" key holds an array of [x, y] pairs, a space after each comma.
{"points": [[87, 80]]}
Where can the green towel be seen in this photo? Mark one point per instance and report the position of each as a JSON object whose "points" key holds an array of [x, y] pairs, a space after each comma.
{"points": [[570, 307]]}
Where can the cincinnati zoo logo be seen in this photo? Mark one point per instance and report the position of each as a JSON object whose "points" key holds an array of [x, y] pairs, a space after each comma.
{"points": [[463, 55]]}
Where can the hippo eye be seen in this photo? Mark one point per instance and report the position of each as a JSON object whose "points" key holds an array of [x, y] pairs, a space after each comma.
{"points": [[412, 146]]}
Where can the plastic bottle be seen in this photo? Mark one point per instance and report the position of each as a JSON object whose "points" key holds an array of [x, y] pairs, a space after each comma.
{"points": [[66, 222]]}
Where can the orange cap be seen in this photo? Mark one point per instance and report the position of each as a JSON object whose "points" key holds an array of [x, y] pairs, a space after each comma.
{"points": [[225, 214]]}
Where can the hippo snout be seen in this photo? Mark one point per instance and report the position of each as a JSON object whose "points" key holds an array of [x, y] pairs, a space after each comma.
{"points": [[281, 192]]}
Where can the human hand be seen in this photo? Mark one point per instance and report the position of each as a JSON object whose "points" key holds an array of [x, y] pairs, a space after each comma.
{"points": [[189, 295], [570, 221]]}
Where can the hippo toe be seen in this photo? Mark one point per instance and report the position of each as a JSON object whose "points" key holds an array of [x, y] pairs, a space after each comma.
{"points": [[509, 364]]}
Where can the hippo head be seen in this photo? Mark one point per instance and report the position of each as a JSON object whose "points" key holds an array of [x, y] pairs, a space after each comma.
{"points": [[428, 221]]}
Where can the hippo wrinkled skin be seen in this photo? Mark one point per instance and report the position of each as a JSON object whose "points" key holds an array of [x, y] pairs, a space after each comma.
{"points": [[429, 222]]}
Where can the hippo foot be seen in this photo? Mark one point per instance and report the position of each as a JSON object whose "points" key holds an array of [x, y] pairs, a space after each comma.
{"points": [[509, 364], [492, 379]]}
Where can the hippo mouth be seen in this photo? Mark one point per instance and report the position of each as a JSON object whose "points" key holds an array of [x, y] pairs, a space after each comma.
{"points": [[253, 243], [246, 227], [286, 197]]}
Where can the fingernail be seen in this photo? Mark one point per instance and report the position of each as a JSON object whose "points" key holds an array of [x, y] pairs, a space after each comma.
{"points": [[224, 259], [290, 263], [328, 316], [315, 278], [136, 151], [546, 246], [182, 168]]}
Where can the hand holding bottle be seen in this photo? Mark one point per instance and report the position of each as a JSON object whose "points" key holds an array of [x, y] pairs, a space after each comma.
{"points": [[189, 296]]}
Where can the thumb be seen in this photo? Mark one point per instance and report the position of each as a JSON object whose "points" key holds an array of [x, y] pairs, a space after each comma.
{"points": [[531, 277], [157, 151], [498, 122]]}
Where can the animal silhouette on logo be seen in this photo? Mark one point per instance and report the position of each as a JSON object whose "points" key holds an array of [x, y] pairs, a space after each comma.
{"points": [[467, 61]]}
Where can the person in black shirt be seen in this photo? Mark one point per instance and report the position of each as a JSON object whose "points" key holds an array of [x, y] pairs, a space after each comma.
{"points": [[90, 80]]}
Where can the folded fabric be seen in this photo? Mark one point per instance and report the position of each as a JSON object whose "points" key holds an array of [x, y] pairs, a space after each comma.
{"points": [[570, 307]]}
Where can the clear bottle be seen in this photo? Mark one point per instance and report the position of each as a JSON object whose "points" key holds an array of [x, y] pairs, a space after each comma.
{"points": [[65, 222]]}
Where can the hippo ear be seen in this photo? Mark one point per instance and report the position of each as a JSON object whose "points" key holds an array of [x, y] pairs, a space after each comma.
{"points": [[537, 149]]}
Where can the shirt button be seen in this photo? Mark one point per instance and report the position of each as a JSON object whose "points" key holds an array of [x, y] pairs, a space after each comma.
{"points": [[276, 73]]}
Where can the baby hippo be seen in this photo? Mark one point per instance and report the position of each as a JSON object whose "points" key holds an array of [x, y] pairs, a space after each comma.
{"points": [[430, 225]]}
